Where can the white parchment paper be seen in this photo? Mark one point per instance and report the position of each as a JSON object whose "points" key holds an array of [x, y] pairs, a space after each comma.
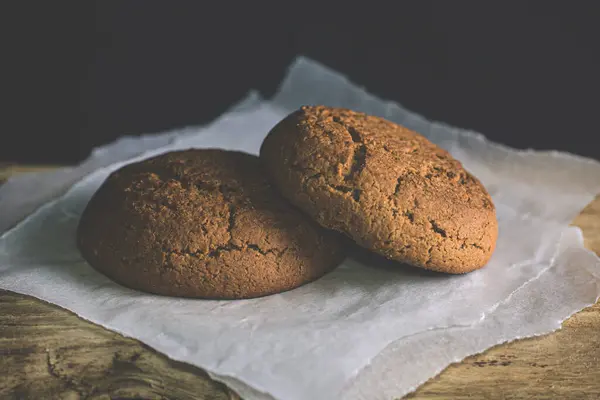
{"points": [[361, 332]]}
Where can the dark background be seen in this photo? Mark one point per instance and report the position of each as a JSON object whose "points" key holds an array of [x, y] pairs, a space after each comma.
{"points": [[79, 74]]}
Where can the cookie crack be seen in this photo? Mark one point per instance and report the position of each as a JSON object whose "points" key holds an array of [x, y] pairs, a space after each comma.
{"points": [[227, 194], [429, 255], [358, 162], [354, 193], [359, 155], [229, 247], [307, 180], [226, 191], [354, 134], [407, 213], [475, 245], [231, 221], [437, 229], [258, 249], [464, 245], [398, 186]]}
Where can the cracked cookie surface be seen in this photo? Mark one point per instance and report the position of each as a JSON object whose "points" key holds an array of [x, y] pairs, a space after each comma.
{"points": [[202, 223], [386, 187]]}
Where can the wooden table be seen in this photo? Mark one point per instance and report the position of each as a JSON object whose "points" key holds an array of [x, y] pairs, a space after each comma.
{"points": [[49, 353]]}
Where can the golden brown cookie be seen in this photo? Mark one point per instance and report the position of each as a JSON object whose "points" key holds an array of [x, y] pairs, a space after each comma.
{"points": [[202, 223], [386, 187]]}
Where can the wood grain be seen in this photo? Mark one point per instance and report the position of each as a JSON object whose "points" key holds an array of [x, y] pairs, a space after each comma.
{"points": [[49, 353]]}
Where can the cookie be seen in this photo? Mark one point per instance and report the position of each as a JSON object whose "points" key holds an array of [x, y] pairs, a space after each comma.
{"points": [[388, 188], [202, 223]]}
